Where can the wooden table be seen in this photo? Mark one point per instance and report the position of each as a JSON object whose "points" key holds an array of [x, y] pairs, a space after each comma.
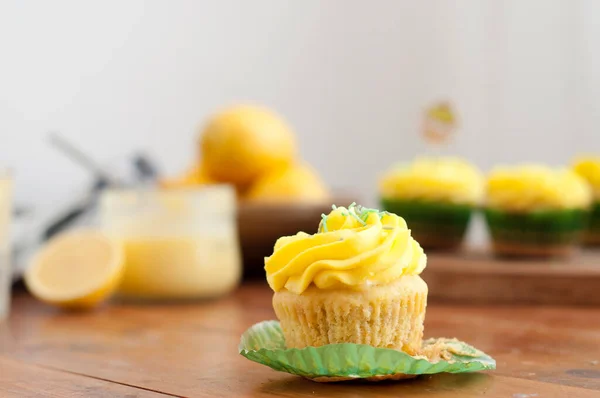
{"points": [[190, 350]]}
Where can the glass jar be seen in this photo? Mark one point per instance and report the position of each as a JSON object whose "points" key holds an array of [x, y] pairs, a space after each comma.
{"points": [[5, 269], [179, 244]]}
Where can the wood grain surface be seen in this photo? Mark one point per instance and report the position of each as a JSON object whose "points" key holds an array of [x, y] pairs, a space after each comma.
{"points": [[21, 380], [190, 350], [478, 277]]}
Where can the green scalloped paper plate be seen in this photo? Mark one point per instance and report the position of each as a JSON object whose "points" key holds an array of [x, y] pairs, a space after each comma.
{"points": [[265, 343]]}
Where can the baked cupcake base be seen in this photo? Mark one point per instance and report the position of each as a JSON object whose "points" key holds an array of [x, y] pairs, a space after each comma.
{"points": [[535, 234], [437, 226], [385, 316]]}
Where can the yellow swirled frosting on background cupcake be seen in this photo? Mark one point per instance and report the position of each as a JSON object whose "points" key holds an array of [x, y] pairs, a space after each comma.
{"points": [[450, 180], [536, 210], [436, 196], [588, 167], [354, 281], [536, 187]]}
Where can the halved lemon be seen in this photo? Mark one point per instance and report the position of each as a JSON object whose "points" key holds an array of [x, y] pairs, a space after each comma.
{"points": [[78, 270]]}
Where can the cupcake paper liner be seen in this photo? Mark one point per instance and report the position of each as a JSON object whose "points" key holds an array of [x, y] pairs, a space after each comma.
{"points": [[537, 228], [433, 225], [592, 233], [265, 343], [542, 233]]}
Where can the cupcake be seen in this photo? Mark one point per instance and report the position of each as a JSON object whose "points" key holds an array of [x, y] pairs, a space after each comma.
{"points": [[354, 281], [534, 210], [436, 197], [589, 169]]}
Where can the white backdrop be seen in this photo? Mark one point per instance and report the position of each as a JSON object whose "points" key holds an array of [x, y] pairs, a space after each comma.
{"points": [[352, 78]]}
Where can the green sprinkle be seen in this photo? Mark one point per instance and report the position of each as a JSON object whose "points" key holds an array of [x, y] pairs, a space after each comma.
{"points": [[324, 222], [383, 213], [333, 207], [366, 212], [353, 214]]}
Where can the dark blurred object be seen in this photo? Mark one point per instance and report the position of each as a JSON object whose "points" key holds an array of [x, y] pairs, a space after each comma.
{"points": [[145, 172], [75, 211], [31, 231], [261, 224], [82, 159]]}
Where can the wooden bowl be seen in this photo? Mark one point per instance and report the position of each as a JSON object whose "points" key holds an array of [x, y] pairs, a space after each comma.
{"points": [[261, 224]]}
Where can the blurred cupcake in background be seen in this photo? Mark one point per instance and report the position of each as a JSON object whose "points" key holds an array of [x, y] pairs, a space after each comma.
{"points": [[589, 168], [534, 210], [436, 197]]}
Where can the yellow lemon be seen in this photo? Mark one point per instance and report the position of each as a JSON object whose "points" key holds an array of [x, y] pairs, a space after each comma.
{"points": [[76, 270], [190, 178], [295, 183], [244, 142]]}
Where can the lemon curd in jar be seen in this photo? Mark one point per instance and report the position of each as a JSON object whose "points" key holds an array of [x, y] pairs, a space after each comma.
{"points": [[178, 244]]}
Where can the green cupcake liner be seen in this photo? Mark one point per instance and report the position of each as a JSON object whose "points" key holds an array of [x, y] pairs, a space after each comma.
{"points": [[594, 219], [592, 232], [548, 227], [265, 343], [433, 225]]}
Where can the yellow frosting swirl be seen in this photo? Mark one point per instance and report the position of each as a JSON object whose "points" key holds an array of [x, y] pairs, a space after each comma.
{"points": [[353, 248], [535, 187], [447, 180], [589, 168]]}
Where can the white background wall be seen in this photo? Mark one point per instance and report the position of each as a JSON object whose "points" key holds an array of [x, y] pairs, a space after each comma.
{"points": [[352, 78]]}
